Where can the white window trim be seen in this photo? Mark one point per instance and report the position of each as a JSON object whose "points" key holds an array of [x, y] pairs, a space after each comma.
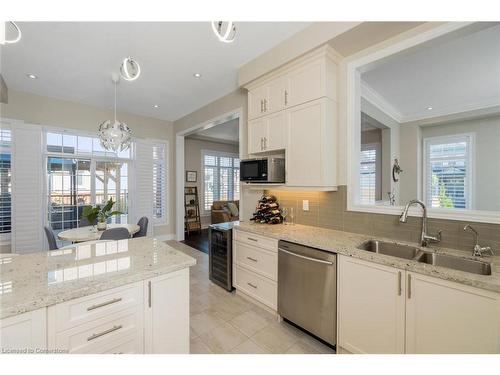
{"points": [[166, 192], [201, 194], [470, 138]]}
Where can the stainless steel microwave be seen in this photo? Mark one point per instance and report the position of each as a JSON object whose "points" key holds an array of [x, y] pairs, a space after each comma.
{"points": [[270, 169]]}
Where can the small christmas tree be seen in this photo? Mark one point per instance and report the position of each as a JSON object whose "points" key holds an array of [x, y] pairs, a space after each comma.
{"points": [[268, 211]]}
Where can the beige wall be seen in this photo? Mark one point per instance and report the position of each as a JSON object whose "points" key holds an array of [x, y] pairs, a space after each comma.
{"points": [[222, 106], [192, 161], [486, 190], [35, 109]]}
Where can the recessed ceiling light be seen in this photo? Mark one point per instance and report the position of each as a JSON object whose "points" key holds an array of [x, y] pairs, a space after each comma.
{"points": [[197, 75], [32, 76], [429, 108], [156, 106]]}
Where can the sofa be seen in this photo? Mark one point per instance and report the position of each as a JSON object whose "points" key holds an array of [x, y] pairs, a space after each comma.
{"points": [[224, 211]]}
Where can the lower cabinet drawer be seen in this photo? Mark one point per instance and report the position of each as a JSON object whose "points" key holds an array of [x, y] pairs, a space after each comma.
{"points": [[104, 304], [125, 345], [260, 261], [267, 243], [102, 335], [256, 286]]}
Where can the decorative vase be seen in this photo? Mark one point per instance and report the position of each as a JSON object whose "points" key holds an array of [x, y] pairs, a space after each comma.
{"points": [[101, 225]]}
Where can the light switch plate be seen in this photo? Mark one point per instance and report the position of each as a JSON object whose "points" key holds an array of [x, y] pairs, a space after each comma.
{"points": [[305, 204]]}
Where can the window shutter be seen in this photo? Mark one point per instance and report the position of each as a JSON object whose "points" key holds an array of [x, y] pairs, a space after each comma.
{"points": [[27, 190], [143, 176], [159, 182], [368, 174]]}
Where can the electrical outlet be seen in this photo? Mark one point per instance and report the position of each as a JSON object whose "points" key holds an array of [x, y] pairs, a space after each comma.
{"points": [[305, 205]]}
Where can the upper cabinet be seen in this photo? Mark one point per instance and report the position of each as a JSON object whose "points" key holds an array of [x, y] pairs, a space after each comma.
{"points": [[308, 78], [294, 110]]}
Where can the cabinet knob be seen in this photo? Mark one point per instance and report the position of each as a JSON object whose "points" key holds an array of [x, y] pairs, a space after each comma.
{"points": [[286, 97]]}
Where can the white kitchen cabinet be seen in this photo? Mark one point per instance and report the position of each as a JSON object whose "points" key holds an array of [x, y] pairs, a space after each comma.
{"points": [[308, 78], [255, 267], [24, 332], [267, 133], [371, 307], [446, 317], [310, 156], [256, 97], [166, 318]]}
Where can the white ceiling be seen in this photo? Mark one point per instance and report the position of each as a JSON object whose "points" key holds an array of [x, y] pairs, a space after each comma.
{"points": [[227, 132], [74, 61], [450, 76]]}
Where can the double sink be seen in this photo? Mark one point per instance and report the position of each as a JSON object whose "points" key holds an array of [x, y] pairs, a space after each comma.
{"points": [[417, 254]]}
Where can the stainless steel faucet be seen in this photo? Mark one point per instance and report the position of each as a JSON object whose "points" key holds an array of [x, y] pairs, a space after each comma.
{"points": [[425, 238], [478, 250]]}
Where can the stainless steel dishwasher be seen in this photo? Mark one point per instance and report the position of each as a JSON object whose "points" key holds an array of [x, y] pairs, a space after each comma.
{"points": [[307, 289]]}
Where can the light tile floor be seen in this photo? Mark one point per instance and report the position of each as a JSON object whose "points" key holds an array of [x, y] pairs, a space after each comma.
{"points": [[223, 322]]}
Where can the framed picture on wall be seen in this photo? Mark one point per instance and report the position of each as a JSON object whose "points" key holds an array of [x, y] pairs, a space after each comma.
{"points": [[191, 176]]}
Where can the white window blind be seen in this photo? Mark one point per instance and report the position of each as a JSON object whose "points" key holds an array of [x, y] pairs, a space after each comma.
{"points": [[5, 184], [221, 178], [143, 177], [448, 171], [159, 182], [27, 189], [368, 173]]}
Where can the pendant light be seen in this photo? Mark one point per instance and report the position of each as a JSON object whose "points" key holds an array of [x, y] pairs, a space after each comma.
{"points": [[3, 32], [225, 31], [115, 135], [130, 69]]}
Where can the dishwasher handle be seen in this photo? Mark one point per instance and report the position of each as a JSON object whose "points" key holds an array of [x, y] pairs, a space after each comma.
{"points": [[306, 257]]}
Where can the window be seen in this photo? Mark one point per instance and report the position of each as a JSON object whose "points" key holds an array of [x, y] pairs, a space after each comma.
{"points": [[80, 173], [159, 182], [369, 173], [5, 183], [448, 172], [221, 178]]}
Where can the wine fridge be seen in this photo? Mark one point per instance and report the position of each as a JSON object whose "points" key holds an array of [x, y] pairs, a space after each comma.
{"points": [[220, 251]]}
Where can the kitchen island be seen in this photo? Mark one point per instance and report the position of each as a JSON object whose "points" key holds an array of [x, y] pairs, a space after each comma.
{"points": [[128, 296]]}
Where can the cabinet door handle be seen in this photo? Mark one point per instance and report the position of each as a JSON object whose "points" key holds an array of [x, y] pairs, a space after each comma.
{"points": [[261, 143], [399, 283], [286, 97], [252, 239], [149, 293], [265, 105], [265, 143], [252, 259], [252, 285], [261, 106], [93, 307], [409, 286], [96, 335]]}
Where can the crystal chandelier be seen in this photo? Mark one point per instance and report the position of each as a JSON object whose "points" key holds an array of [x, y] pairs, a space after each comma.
{"points": [[115, 135], [225, 31]]}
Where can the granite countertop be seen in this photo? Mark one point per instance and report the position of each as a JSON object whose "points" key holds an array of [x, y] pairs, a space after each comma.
{"points": [[32, 281], [346, 243]]}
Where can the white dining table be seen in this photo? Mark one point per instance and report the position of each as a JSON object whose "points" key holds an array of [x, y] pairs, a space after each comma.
{"points": [[89, 233]]}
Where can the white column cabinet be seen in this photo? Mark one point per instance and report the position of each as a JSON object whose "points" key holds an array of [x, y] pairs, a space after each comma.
{"points": [[257, 132], [371, 307], [256, 103], [166, 317], [310, 157], [446, 317], [383, 309]]}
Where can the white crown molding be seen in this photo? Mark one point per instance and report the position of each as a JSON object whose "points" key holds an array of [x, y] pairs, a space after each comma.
{"points": [[205, 138], [487, 106], [371, 95]]}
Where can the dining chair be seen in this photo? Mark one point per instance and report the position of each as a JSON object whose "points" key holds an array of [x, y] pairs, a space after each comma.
{"points": [[51, 238], [143, 225], [115, 234]]}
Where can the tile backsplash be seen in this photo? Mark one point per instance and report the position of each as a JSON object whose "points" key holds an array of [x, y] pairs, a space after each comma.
{"points": [[328, 210]]}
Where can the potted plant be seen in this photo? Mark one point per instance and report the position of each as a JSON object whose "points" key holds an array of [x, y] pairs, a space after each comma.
{"points": [[101, 214]]}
